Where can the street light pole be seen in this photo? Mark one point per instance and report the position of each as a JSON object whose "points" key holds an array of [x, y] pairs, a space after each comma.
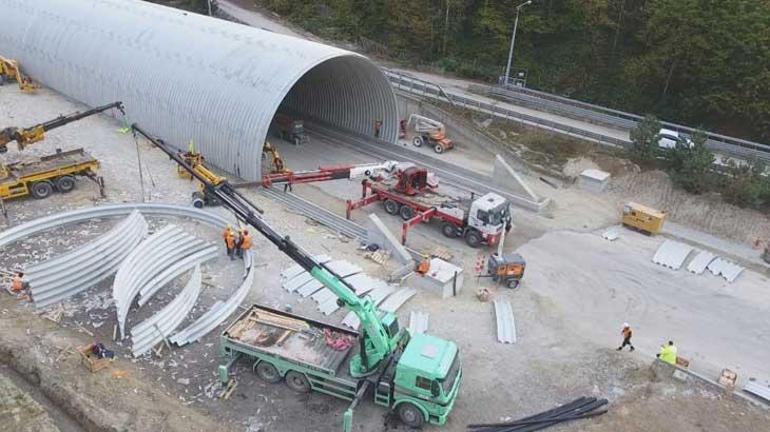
{"points": [[513, 41]]}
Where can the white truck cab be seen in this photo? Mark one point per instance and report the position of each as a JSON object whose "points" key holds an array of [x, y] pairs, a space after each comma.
{"points": [[490, 215]]}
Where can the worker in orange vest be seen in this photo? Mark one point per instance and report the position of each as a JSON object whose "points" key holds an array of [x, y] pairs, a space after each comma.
{"points": [[229, 237], [244, 242], [17, 283], [627, 333]]}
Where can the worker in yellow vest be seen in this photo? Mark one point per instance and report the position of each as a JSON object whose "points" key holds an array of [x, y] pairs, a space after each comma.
{"points": [[668, 353]]}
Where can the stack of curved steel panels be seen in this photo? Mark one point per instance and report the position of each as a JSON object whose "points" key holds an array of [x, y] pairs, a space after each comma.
{"points": [[219, 312], [150, 262], [184, 76], [154, 329], [39, 225], [175, 270], [58, 278]]}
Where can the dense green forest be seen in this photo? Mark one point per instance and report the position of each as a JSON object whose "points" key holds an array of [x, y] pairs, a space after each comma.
{"points": [[700, 62]]}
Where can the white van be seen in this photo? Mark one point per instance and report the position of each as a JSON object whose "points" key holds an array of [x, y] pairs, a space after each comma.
{"points": [[669, 138]]}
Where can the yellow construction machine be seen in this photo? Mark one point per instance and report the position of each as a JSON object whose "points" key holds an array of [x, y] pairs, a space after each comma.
{"points": [[36, 133], [10, 70], [202, 197], [277, 165], [642, 218], [41, 176]]}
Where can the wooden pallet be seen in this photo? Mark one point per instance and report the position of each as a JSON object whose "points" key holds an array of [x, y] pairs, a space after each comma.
{"points": [[90, 361]]}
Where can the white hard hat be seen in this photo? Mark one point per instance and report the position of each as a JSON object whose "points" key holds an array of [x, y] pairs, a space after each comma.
{"points": [[626, 325]]}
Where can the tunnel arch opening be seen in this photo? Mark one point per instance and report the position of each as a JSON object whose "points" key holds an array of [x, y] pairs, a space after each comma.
{"points": [[347, 92]]}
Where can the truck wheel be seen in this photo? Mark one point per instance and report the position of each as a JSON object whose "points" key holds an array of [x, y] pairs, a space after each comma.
{"points": [[438, 149], [410, 415], [267, 372], [448, 229], [198, 200], [391, 206], [417, 141], [406, 212], [473, 238], [65, 183], [297, 382], [42, 189]]}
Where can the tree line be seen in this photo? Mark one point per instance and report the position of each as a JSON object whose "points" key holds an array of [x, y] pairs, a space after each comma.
{"points": [[694, 168], [699, 62]]}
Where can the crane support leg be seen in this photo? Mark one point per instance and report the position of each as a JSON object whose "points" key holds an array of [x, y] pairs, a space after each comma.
{"points": [[425, 216]]}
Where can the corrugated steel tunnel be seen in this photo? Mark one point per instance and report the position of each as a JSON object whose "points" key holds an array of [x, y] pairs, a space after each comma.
{"points": [[184, 76]]}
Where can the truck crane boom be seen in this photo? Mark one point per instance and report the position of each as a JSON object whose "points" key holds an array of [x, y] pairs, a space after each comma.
{"points": [[327, 173], [36, 133], [377, 345]]}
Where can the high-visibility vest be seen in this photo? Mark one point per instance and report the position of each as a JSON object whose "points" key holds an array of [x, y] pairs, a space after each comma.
{"points": [[668, 354], [17, 284], [229, 238], [246, 241]]}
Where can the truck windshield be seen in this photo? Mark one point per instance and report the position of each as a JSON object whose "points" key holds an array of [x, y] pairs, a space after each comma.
{"points": [[449, 381], [498, 214]]}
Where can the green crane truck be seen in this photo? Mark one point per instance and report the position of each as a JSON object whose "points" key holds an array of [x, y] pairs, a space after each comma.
{"points": [[420, 384], [417, 376]]}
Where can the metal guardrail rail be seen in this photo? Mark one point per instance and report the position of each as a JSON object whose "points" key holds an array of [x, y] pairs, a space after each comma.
{"points": [[623, 120], [506, 326], [422, 88], [718, 143]]}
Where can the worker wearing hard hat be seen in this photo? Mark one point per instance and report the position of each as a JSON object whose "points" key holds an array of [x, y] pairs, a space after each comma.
{"points": [[627, 333], [244, 242], [229, 237], [668, 353]]}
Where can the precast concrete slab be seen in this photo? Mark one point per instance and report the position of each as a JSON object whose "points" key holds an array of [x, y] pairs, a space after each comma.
{"points": [[672, 254], [700, 262], [725, 268]]}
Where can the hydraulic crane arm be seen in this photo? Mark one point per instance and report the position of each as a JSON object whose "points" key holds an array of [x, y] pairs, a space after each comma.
{"points": [[377, 345], [31, 135], [327, 173]]}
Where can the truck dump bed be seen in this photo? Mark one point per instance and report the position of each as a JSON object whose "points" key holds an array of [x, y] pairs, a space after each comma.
{"points": [[292, 337], [53, 162]]}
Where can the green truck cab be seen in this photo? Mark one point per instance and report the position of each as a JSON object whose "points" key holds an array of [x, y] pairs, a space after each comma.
{"points": [[420, 381]]}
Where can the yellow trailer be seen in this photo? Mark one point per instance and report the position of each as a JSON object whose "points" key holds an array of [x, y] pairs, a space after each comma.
{"points": [[643, 218], [42, 176]]}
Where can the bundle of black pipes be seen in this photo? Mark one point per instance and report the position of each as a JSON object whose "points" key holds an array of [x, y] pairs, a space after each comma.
{"points": [[581, 408]]}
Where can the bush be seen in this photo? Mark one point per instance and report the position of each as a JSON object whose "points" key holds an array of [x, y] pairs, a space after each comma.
{"points": [[745, 185], [644, 139], [691, 163]]}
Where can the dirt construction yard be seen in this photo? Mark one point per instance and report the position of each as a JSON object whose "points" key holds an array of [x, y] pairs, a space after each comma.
{"points": [[578, 290]]}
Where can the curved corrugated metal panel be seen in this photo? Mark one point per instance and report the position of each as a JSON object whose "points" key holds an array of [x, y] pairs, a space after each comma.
{"points": [[184, 76]]}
